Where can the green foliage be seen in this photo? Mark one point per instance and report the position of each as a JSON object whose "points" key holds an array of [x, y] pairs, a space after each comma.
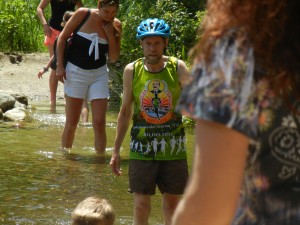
{"points": [[19, 27], [194, 6], [184, 27], [21, 30], [90, 3]]}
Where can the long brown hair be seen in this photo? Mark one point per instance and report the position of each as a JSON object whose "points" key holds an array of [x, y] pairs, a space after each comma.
{"points": [[273, 28]]}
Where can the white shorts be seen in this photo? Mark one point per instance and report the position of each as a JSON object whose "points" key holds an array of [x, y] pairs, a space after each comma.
{"points": [[90, 84]]}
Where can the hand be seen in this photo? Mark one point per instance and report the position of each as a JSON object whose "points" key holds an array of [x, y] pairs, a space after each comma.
{"points": [[115, 164], [40, 74], [47, 30], [61, 74], [109, 29]]}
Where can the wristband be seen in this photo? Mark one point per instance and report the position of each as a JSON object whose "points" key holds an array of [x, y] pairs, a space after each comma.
{"points": [[45, 24], [45, 69]]}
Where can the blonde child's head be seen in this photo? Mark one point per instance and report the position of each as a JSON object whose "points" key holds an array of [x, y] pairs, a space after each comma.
{"points": [[93, 211]]}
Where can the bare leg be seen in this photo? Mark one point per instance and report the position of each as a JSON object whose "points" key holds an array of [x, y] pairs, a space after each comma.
{"points": [[73, 109], [169, 204], [99, 107], [53, 83], [85, 112], [142, 209], [50, 50]]}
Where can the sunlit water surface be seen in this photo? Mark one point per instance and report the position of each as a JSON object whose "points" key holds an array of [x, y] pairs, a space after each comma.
{"points": [[39, 184]]}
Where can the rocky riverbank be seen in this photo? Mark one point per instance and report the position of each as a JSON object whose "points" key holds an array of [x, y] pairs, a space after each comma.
{"points": [[19, 84]]}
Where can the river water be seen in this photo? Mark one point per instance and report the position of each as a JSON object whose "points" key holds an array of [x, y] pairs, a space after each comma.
{"points": [[39, 184]]}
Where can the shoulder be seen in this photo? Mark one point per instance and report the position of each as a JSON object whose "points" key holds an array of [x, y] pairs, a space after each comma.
{"points": [[129, 67], [44, 3], [128, 75], [181, 64], [118, 26], [183, 72], [82, 11], [76, 19], [138, 62], [233, 40], [176, 60], [232, 54], [117, 22]]}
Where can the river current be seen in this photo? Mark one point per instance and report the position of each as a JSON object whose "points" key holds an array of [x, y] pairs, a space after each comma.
{"points": [[39, 184]]}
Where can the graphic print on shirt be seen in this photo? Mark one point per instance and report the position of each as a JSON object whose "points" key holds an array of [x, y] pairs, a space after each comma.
{"points": [[157, 131], [285, 143], [156, 102]]}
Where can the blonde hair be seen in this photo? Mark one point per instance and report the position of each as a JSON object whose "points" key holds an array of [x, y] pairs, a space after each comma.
{"points": [[93, 211]]}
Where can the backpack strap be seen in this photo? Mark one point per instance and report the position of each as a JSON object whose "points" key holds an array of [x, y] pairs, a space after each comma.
{"points": [[87, 15]]}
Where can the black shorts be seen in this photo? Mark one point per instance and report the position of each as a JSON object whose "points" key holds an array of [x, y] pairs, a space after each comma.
{"points": [[169, 176]]}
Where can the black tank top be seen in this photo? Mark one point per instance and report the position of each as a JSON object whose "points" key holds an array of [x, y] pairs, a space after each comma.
{"points": [[58, 8], [78, 53]]}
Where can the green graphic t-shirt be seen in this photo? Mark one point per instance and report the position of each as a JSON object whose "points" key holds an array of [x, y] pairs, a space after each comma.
{"points": [[157, 132]]}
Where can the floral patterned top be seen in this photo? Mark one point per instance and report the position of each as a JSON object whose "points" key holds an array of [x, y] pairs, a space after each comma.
{"points": [[230, 90]]}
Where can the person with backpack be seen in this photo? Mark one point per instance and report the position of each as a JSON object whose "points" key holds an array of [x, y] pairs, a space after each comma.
{"points": [[85, 74]]}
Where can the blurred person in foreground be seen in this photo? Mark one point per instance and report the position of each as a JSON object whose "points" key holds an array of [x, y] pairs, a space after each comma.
{"points": [[151, 87], [245, 99], [93, 211]]}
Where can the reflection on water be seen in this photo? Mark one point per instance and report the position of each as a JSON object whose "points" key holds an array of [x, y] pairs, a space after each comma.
{"points": [[39, 184]]}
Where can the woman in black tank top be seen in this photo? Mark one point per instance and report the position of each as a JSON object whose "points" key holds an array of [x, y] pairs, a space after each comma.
{"points": [[86, 74], [52, 27]]}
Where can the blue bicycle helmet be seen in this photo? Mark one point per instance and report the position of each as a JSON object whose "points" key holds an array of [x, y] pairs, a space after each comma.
{"points": [[153, 27]]}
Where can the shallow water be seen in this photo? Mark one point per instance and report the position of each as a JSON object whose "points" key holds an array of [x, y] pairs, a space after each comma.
{"points": [[41, 185]]}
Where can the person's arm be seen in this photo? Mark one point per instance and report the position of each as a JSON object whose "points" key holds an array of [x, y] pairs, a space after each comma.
{"points": [[46, 68], [183, 73], [70, 26], [113, 32], [213, 191], [124, 118], [40, 13]]}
